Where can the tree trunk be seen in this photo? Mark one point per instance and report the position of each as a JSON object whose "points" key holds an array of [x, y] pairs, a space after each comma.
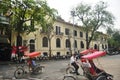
{"points": [[49, 48], [87, 43]]}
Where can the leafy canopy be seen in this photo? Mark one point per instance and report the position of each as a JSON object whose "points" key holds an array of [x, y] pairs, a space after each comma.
{"points": [[28, 13], [93, 18]]}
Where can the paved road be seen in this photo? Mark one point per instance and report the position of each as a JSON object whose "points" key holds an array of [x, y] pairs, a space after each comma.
{"points": [[55, 70], [111, 64]]}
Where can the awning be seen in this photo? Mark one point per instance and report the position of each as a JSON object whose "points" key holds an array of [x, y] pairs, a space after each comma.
{"points": [[94, 55]]}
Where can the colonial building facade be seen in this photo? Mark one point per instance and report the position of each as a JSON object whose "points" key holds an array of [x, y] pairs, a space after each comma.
{"points": [[66, 37]]}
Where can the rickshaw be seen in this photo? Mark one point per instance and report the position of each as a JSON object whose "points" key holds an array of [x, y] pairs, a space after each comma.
{"points": [[17, 54], [90, 71], [29, 67]]}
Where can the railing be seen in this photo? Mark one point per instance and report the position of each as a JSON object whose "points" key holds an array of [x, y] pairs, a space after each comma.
{"points": [[4, 20], [61, 33]]}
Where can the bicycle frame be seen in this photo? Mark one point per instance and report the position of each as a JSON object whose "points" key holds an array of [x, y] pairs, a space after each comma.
{"points": [[32, 66], [93, 71], [90, 70]]}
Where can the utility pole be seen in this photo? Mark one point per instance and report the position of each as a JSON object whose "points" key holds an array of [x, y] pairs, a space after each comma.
{"points": [[73, 16]]}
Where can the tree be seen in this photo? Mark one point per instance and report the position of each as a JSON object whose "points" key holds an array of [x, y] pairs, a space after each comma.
{"points": [[114, 38], [4, 7], [49, 33], [27, 14], [93, 18], [29, 11], [110, 31], [48, 30]]}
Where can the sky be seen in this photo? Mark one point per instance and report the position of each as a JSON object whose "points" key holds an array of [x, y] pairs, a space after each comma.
{"points": [[64, 7]]}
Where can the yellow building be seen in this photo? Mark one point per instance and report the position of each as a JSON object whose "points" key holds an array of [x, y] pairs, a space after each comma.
{"points": [[65, 38]]}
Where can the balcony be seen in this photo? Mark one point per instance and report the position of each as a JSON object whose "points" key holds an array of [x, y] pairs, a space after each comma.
{"points": [[60, 33], [4, 21]]}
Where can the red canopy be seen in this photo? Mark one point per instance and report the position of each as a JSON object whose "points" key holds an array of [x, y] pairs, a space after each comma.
{"points": [[88, 51], [33, 54], [94, 55]]}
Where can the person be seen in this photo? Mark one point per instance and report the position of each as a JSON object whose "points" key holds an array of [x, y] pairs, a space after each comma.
{"points": [[31, 63], [73, 62]]}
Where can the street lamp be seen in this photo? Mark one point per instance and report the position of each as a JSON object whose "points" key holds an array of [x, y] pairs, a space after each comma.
{"points": [[73, 16]]}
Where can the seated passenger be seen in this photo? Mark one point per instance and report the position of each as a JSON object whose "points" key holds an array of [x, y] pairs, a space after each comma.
{"points": [[95, 70]]}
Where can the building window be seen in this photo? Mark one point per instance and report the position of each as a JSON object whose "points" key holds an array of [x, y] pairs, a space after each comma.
{"points": [[58, 54], [67, 53], [57, 42], [67, 43], [67, 31], [45, 54], [81, 34], [32, 45], [57, 30], [45, 42], [95, 46], [82, 44], [75, 44], [75, 33]]}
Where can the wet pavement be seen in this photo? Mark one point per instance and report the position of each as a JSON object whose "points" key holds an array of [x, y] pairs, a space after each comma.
{"points": [[55, 70]]}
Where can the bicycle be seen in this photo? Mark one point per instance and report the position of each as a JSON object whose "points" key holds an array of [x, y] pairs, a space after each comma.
{"points": [[29, 67], [90, 71], [69, 77]]}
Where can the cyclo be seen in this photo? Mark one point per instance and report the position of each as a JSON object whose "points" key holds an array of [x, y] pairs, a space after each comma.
{"points": [[90, 70], [29, 67]]}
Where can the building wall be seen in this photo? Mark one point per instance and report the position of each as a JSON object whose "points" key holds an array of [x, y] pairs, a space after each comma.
{"points": [[38, 39]]}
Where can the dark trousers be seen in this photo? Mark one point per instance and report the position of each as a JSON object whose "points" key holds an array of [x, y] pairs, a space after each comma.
{"points": [[75, 66]]}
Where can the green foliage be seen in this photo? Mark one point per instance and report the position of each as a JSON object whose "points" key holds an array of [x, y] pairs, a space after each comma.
{"points": [[93, 18], [114, 40], [27, 14], [4, 6], [109, 31]]}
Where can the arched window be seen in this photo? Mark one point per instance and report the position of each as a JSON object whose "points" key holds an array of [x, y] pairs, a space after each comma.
{"points": [[32, 41], [32, 45], [75, 44], [82, 44], [57, 42], [58, 54], [45, 42], [45, 54], [102, 46], [67, 43], [95, 46]]}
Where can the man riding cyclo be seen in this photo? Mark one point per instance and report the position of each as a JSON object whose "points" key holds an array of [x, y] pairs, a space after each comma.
{"points": [[88, 65]]}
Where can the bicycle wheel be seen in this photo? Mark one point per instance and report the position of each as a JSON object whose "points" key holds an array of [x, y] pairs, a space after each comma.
{"points": [[102, 77], [37, 70], [69, 78], [70, 70], [18, 74]]}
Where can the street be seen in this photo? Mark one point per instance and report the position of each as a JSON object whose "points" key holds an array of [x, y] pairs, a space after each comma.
{"points": [[55, 70]]}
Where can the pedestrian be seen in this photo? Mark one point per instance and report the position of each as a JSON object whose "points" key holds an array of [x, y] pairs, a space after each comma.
{"points": [[73, 62]]}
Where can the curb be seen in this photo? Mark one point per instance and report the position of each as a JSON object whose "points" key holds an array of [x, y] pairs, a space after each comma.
{"points": [[6, 62]]}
